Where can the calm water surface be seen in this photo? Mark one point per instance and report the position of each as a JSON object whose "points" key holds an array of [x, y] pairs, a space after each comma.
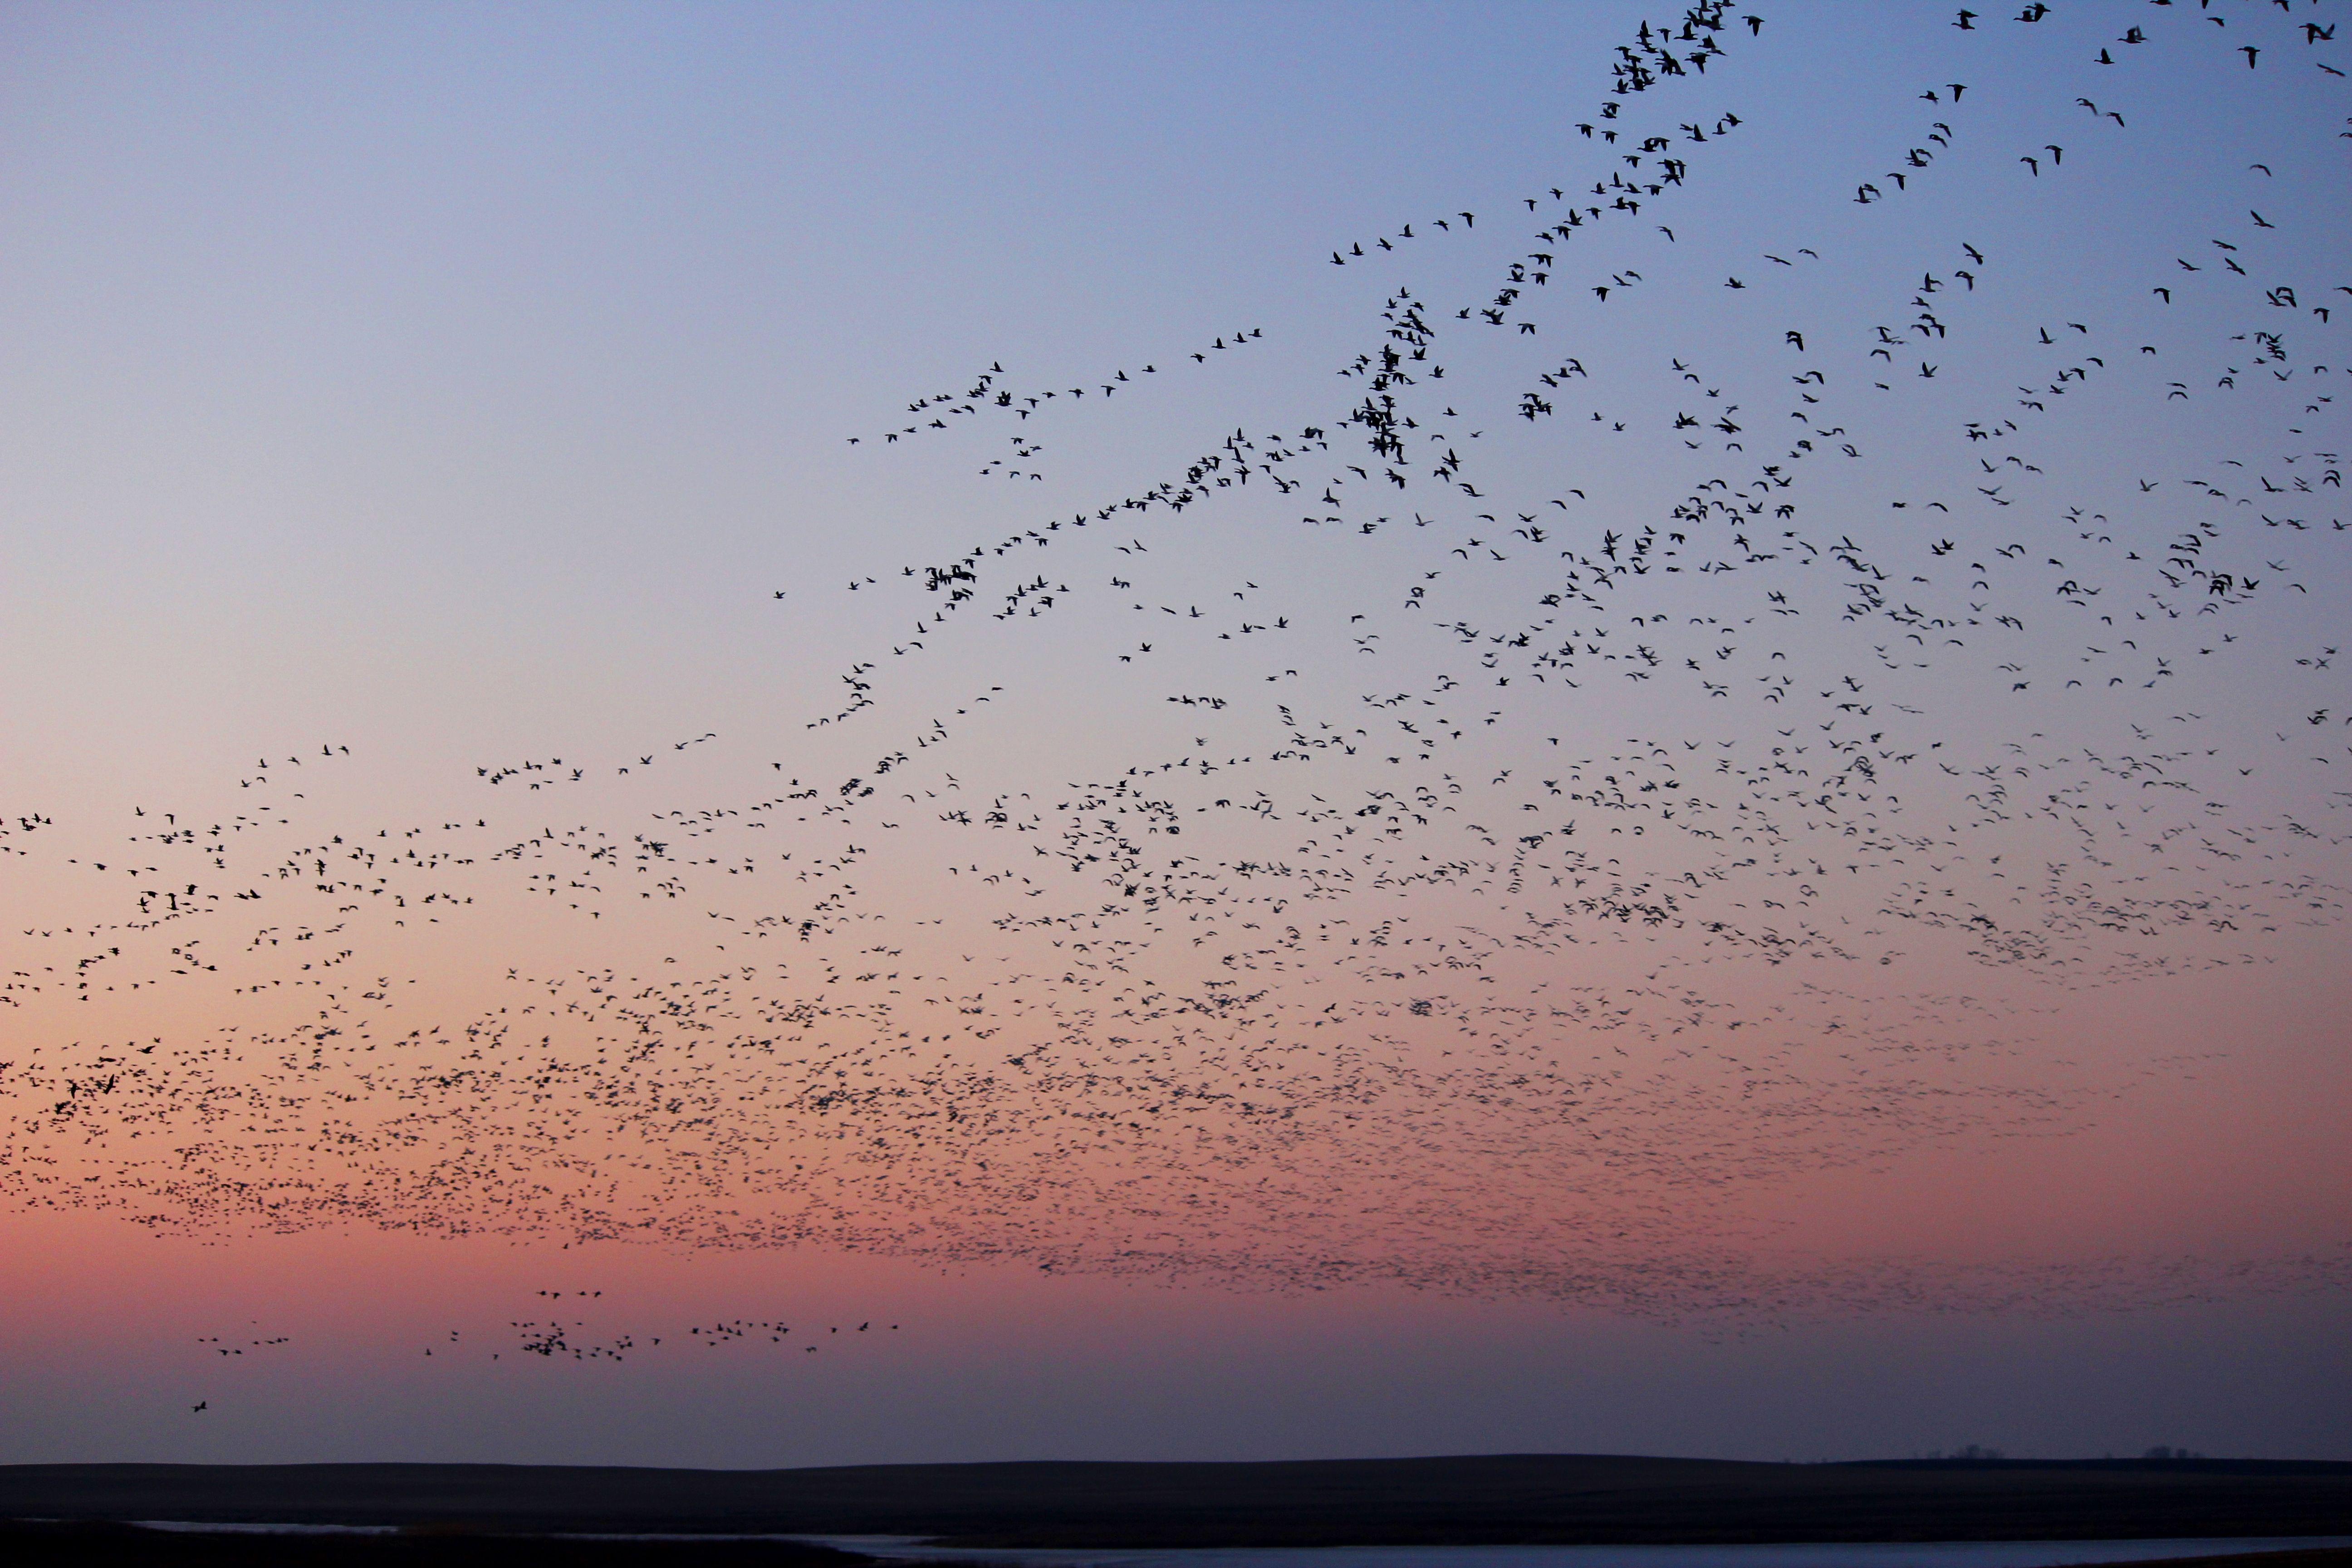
{"points": [[1891, 1554], [1835, 1554]]}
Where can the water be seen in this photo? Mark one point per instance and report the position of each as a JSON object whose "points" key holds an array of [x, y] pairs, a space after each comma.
{"points": [[1843, 1554], [1832, 1554]]}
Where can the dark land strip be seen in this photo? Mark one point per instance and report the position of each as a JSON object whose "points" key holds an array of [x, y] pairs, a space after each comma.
{"points": [[1493, 1499]]}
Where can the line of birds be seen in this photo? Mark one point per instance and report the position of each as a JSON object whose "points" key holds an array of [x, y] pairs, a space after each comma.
{"points": [[986, 394]]}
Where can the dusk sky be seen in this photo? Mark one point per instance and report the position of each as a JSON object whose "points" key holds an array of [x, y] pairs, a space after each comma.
{"points": [[757, 735]]}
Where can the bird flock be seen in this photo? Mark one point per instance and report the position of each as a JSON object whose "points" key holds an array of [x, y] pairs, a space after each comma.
{"points": [[1483, 833]]}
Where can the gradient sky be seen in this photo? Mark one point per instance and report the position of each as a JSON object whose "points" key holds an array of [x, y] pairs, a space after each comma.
{"points": [[1783, 899]]}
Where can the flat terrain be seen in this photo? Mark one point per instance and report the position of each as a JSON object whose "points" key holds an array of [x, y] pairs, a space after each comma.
{"points": [[1503, 1498], [2319, 1557], [118, 1546]]}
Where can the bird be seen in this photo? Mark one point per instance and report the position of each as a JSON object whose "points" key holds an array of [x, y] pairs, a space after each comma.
{"points": [[1729, 753]]}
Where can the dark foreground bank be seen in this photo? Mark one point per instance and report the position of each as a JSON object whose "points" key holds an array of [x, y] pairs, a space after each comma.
{"points": [[1501, 1499], [45, 1545]]}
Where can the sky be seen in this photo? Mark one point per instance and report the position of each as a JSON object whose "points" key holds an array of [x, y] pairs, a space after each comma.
{"points": [[756, 735]]}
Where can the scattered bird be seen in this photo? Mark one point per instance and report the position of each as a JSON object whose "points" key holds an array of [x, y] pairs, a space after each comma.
{"points": [[1658, 816]]}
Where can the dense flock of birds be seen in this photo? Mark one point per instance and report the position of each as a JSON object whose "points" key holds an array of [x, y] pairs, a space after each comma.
{"points": [[1517, 813]]}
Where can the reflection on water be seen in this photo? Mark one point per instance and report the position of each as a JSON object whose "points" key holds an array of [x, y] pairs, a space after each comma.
{"points": [[1846, 1554], [1831, 1554]]}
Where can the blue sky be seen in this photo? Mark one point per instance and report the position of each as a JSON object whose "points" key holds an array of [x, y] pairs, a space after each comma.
{"points": [[1901, 632]]}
